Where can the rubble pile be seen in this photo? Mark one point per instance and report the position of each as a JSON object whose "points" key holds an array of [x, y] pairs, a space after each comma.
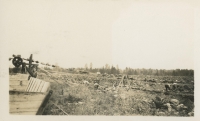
{"points": [[164, 106]]}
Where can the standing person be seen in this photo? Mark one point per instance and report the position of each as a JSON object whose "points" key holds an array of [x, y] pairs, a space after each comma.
{"points": [[167, 87], [34, 71], [23, 68]]}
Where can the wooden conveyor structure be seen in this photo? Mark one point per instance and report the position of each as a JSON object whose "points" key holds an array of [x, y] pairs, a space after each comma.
{"points": [[28, 97]]}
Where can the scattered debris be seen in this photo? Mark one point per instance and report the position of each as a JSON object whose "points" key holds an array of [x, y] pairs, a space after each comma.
{"points": [[174, 101]]}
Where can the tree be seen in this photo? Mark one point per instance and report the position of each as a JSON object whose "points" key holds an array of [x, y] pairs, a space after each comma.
{"points": [[106, 66], [113, 70], [86, 66], [91, 66], [117, 67], [157, 72], [102, 70], [174, 73]]}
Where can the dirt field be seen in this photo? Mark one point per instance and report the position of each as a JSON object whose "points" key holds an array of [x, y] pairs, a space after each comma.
{"points": [[149, 98]]}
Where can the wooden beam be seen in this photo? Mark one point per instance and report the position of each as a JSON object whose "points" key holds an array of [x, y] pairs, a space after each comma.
{"points": [[45, 87], [23, 92], [40, 86], [32, 85], [29, 84], [27, 97], [17, 82], [23, 113], [35, 85], [19, 76], [24, 105], [24, 110], [17, 87], [44, 103]]}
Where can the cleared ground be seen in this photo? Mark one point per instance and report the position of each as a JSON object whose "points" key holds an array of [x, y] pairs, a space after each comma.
{"points": [[72, 97]]}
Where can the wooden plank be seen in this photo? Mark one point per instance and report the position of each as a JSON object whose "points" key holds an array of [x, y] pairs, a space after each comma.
{"points": [[25, 93], [21, 79], [29, 84], [17, 88], [35, 85], [45, 87], [23, 113], [29, 81], [25, 98], [19, 76], [41, 86], [19, 110], [32, 85], [17, 82], [27, 105]]}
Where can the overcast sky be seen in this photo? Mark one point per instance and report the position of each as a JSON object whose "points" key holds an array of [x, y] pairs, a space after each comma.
{"points": [[128, 33]]}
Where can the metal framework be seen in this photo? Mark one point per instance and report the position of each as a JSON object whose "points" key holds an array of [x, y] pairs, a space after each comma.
{"points": [[30, 67]]}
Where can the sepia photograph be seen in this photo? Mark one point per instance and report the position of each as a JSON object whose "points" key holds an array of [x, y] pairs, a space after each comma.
{"points": [[99, 57]]}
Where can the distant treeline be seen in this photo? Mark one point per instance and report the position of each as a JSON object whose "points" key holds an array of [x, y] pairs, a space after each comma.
{"points": [[156, 72], [161, 72], [130, 71]]}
